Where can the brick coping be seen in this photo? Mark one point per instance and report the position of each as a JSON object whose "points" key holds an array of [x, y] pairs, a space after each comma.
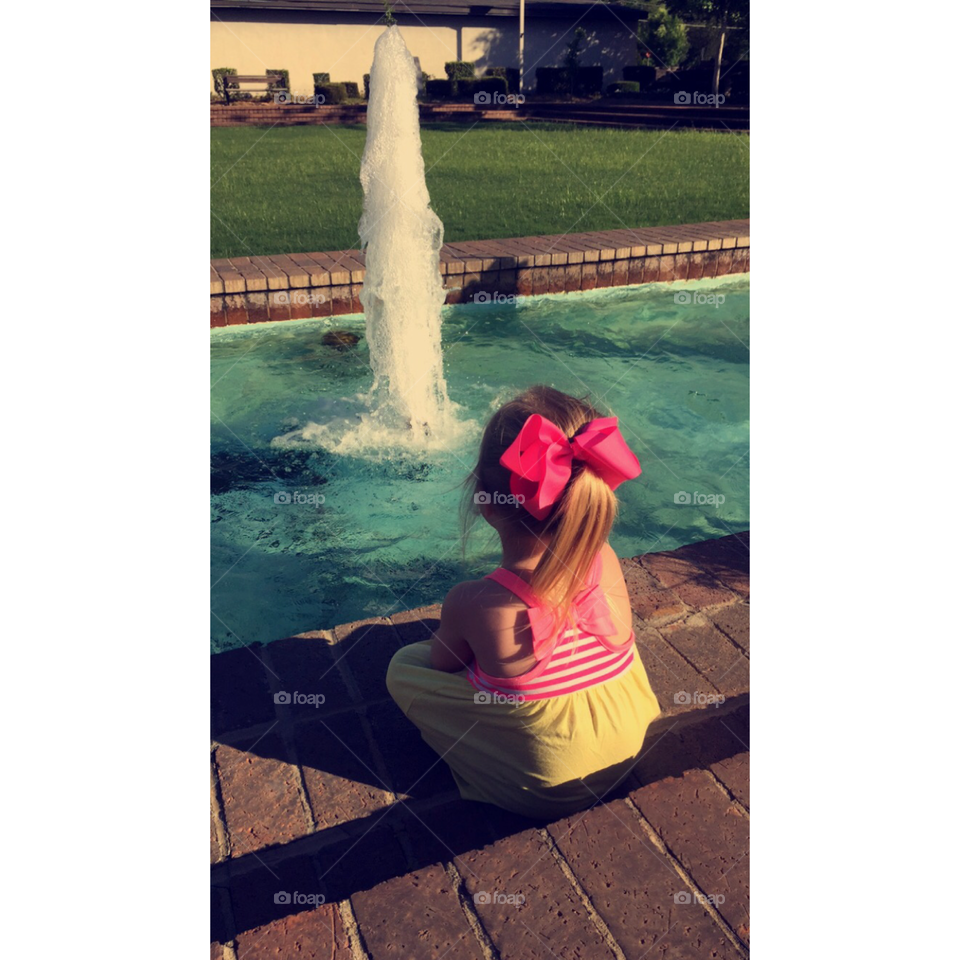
{"points": [[297, 286], [625, 114], [348, 801]]}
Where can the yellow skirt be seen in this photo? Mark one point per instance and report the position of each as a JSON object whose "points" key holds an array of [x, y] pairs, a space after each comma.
{"points": [[541, 758]]}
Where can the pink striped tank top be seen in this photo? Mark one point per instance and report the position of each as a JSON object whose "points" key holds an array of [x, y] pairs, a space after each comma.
{"points": [[581, 656]]}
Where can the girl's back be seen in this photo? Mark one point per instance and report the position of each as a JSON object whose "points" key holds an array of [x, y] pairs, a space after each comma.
{"points": [[532, 690], [495, 623]]}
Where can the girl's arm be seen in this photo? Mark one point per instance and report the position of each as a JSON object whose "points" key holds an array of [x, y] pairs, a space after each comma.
{"points": [[449, 650]]}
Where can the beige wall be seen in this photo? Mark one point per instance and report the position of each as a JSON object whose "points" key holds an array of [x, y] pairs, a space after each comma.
{"points": [[345, 50]]}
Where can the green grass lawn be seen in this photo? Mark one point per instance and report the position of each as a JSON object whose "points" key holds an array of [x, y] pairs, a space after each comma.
{"points": [[296, 189]]}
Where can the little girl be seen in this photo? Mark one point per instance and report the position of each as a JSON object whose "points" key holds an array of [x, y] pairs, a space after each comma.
{"points": [[532, 690]]}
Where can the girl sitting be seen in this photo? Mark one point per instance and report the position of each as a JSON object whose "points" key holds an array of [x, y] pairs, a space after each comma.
{"points": [[532, 689]]}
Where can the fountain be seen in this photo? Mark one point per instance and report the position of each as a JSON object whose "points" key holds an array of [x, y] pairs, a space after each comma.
{"points": [[402, 294]]}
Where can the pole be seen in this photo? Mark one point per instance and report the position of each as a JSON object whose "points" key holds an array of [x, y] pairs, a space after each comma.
{"points": [[522, 17]]}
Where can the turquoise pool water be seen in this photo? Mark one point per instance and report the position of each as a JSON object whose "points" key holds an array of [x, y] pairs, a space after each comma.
{"points": [[303, 539]]}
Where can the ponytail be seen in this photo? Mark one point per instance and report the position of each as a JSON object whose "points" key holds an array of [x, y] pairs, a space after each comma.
{"points": [[580, 522], [584, 519]]}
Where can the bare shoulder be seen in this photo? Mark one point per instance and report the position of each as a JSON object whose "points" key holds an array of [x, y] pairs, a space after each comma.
{"points": [[612, 572], [485, 599], [492, 620], [615, 590]]}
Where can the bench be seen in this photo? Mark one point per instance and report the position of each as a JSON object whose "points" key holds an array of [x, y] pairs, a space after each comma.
{"points": [[232, 81]]}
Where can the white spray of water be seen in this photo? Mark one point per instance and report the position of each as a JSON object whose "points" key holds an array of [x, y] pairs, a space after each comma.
{"points": [[402, 292]]}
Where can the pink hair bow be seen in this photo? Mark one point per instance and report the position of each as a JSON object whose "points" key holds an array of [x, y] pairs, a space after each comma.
{"points": [[540, 460]]}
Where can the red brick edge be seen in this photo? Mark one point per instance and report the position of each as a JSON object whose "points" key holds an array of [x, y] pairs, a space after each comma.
{"points": [[614, 113], [300, 285]]}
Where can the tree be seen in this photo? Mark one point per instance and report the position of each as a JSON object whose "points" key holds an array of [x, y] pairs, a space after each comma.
{"points": [[662, 39], [718, 14], [571, 59]]}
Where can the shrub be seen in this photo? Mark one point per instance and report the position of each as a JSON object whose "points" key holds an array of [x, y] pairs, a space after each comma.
{"points": [[319, 80], [218, 75], [491, 86], [738, 78], [571, 59], [462, 89], [699, 79], [588, 81], [438, 89], [553, 80], [366, 86], [510, 74], [557, 81], [460, 70], [623, 88], [351, 89], [331, 92], [645, 76], [284, 83], [664, 37]]}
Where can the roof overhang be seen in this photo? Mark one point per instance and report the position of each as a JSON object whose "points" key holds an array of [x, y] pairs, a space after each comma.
{"points": [[420, 8]]}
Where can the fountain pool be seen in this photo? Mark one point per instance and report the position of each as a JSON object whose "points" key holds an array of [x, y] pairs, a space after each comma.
{"points": [[313, 529]]}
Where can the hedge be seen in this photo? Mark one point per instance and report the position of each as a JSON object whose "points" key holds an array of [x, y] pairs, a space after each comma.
{"points": [[589, 81], [338, 91], [697, 80], [457, 71], [586, 82], [283, 85], [645, 76], [623, 88], [460, 70], [366, 86], [218, 75], [438, 89], [510, 74], [331, 92], [490, 85], [553, 80], [738, 80]]}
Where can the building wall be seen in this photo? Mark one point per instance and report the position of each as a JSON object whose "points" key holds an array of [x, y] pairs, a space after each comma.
{"points": [[343, 46]]}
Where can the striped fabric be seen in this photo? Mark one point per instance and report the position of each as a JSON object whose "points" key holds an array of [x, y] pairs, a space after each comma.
{"points": [[580, 660]]}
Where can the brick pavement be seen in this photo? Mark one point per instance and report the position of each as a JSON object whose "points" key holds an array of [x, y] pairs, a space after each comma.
{"points": [[337, 833]]}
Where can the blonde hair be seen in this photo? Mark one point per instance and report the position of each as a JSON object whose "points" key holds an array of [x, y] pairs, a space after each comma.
{"points": [[578, 524]]}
